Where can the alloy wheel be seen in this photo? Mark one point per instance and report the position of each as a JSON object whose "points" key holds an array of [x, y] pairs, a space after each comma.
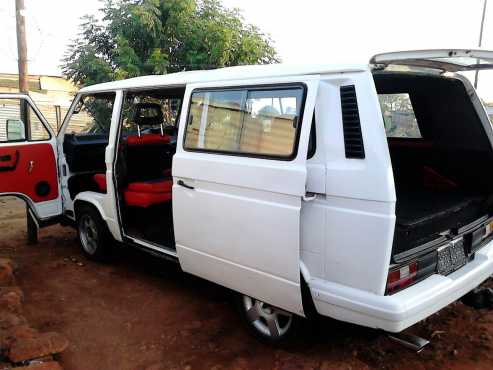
{"points": [[88, 234], [268, 320]]}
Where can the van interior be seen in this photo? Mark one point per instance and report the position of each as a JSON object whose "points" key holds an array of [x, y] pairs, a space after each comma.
{"points": [[147, 143], [441, 156]]}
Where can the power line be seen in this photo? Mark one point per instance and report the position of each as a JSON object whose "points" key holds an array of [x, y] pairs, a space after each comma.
{"points": [[480, 41]]}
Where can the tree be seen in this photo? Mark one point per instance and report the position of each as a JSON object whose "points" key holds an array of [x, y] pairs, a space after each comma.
{"points": [[142, 37]]}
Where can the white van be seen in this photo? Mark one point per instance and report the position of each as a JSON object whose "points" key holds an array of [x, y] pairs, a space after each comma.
{"points": [[362, 193]]}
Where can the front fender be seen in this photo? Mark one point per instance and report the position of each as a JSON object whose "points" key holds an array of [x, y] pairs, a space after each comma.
{"points": [[101, 203]]}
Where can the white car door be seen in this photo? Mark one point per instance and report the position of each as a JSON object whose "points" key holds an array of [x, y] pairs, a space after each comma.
{"points": [[239, 183]]}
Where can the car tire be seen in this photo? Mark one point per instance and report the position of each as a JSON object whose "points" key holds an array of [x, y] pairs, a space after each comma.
{"points": [[269, 324], [94, 236]]}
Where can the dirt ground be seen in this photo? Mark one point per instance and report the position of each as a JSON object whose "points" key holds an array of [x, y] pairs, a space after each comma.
{"points": [[138, 311]]}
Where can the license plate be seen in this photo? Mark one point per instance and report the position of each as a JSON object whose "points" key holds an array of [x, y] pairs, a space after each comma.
{"points": [[451, 257]]}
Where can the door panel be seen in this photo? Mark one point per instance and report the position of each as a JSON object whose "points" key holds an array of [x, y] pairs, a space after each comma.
{"points": [[237, 217], [28, 166], [29, 169], [244, 239]]}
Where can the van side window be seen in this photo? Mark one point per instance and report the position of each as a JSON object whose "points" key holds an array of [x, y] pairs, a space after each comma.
{"points": [[255, 122], [168, 105], [398, 115], [87, 132], [19, 122], [92, 115]]}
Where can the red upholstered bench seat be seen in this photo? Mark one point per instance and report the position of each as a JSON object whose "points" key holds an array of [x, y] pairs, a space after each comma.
{"points": [[147, 193], [144, 200], [143, 193], [152, 186], [148, 139]]}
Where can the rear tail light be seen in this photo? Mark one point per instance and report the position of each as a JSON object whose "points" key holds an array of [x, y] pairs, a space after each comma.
{"points": [[402, 277], [488, 229], [411, 272]]}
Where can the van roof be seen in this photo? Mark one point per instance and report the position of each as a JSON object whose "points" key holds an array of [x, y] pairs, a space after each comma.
{"points": [[222, 74]]}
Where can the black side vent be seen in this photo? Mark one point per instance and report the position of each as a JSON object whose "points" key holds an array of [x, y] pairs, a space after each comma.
{"points": [[353, 140]]}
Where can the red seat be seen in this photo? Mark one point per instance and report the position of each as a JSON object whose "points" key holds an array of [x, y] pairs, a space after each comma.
{"points": [[100, 179], [147, 193], [144, 200], [148, 139], [141, 194], [152, 186]]}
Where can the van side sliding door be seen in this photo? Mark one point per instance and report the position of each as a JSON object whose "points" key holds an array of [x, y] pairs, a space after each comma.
{"points": [[239, 179]]}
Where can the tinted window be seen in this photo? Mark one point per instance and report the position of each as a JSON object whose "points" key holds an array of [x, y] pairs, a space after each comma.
{"points": [[398, 115], [256, 122]]}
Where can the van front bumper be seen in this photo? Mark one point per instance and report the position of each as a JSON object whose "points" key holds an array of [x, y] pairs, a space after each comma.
{"points": [[399, 311]]}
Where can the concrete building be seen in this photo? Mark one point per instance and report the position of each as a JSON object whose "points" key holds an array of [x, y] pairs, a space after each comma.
{"points": [[52, 94]]}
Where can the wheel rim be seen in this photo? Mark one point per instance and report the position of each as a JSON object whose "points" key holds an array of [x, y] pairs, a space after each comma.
{"points": [[268, 320], [88, 234]]}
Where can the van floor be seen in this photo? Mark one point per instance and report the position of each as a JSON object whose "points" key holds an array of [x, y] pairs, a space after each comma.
{"points": [[422, 214], [153, 224]]}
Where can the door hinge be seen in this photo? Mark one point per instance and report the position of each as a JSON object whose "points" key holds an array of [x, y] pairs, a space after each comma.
{"points": [[309, 197]]}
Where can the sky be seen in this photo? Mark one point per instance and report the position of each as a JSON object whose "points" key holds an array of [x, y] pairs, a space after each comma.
{"points": [[308, 31]]}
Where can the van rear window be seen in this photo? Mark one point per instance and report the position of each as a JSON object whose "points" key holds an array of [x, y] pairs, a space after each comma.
{"points": [[263, 122], [398, 116]]}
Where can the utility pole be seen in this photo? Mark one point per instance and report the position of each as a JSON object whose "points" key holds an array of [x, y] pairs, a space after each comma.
{"points": [[21, 45], [480, 41], [20, 22]]}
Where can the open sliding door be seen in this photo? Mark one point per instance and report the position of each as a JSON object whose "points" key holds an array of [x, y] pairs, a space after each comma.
{"points": [[239, 180]]}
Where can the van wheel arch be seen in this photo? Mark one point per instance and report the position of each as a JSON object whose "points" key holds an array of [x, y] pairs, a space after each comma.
{"points": [[79, 203], [94, 236]]}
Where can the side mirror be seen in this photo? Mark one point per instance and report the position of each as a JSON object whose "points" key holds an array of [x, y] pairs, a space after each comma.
{"points": [[16, 130]]}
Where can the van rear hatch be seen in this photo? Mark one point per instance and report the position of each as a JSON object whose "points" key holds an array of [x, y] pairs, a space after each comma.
{"points": [[441, 146], [447, 60], [440, 143]]}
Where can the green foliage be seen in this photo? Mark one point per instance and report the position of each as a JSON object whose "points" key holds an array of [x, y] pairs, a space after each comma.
{"points": [[142, 37]]}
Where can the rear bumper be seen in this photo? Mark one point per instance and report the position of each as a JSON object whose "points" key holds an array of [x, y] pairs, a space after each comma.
{"points": [[399, 311]]}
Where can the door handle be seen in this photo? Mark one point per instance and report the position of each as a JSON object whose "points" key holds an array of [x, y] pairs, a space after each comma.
{"points": [[30, 167], [9, 161], [309, 197], [182, 183]]}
